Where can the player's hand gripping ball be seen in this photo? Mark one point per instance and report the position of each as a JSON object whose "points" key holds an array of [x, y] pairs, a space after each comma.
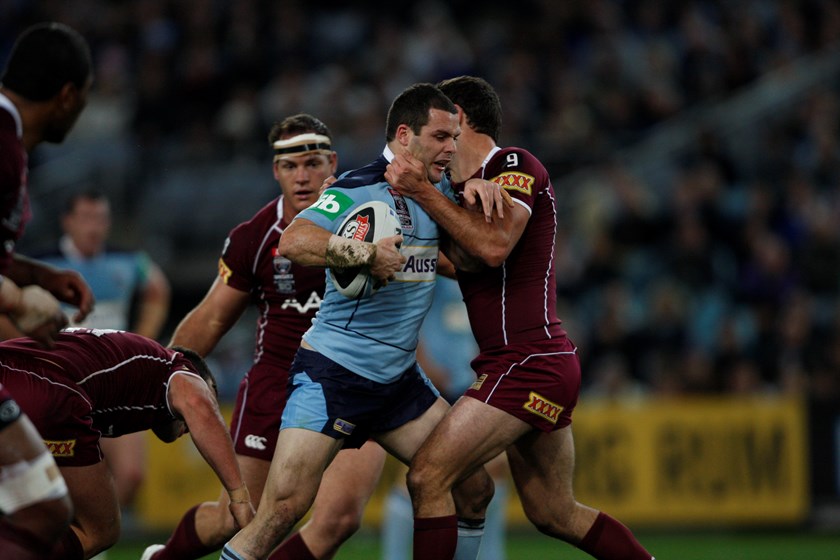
{"points": [[369, 222]]}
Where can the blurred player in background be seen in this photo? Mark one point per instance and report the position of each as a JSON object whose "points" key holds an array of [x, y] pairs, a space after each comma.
{"points": [[528, 371], [446, 348], [287, 295], [99, 383], [35, 507], [127, 285], [117, 277], [43, 89]]}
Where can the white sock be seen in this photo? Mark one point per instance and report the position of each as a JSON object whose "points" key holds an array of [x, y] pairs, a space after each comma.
{"points": [[469, 539]]}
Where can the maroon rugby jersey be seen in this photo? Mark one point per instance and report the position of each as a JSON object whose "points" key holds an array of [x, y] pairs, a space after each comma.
{"points": [[287, 295], [123, 375], [516, 302], [14, 197]]}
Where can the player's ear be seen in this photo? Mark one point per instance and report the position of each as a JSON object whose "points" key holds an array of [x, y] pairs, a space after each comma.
{"points": [[462, 116], [67, 98], [403, 135]]}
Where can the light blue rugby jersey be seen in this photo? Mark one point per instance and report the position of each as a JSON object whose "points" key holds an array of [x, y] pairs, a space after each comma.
{"points": [[376, 337], [114, 276]]}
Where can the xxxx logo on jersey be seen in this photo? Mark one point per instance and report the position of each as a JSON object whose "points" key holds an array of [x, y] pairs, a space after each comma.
{"points": [[515, 181], [332, 204], [541, 406], [61, 448]]}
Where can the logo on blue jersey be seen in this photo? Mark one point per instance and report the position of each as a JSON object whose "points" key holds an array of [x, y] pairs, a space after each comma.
{"points": [[420, 264], [401, 207], [332, 204]]}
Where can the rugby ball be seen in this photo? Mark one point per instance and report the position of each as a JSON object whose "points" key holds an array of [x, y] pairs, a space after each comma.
{"points": [[368, 222]]}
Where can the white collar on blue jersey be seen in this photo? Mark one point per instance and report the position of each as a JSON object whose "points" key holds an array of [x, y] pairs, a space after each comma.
{"points": [[388, 154]]}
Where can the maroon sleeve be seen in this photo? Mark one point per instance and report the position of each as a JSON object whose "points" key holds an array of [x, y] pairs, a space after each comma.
{"points": [[13, 199], [519, 173]]}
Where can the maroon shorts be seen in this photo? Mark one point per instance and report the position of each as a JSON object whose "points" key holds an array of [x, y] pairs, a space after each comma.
{"points": [[61, 413], [256, 415], [536, 382]]}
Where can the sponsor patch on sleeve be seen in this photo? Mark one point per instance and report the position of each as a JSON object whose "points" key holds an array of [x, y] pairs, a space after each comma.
{"points": [[332, 204], [224, 271], [61, 448], [515, 181]]}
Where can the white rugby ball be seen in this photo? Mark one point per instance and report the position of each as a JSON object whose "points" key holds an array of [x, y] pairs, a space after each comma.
{"points": [[368, 222]]}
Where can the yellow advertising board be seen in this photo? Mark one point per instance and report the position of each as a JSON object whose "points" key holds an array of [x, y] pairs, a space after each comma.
{"points": [[694, 461], [732, 461]]}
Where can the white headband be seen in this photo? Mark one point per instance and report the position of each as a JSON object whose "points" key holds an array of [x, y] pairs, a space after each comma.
{"points": [[303, 143]]}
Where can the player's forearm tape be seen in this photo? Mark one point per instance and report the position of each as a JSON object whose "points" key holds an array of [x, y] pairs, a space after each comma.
{"points": [[28, 482], [348, 253], [239, 495]]}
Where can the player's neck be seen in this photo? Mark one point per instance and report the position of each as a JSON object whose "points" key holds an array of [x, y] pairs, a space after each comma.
{"points": [[472, 151]]}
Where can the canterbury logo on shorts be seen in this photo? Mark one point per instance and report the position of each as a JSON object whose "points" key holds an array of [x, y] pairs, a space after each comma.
{"points": [[543, 407], [255, 442]]}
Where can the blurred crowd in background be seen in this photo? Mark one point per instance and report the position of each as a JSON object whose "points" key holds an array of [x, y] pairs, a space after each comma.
{"points": [[708, 263]]}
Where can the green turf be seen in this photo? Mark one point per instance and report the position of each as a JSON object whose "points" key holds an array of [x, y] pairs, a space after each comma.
{"points": [[666, 546]]}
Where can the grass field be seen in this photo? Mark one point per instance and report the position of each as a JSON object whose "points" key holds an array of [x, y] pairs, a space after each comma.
{"points": [[666, 546]]}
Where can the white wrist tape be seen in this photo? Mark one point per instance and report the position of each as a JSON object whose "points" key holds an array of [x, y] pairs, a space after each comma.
{"points": [[28, 482], [348, 253]]}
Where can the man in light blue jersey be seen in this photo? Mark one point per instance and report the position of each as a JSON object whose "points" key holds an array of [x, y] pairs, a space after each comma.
{"points": [[355, 375], [116, 276]]}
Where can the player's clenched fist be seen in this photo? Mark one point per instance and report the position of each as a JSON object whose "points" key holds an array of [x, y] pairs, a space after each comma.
{"points": [[33, 310]]}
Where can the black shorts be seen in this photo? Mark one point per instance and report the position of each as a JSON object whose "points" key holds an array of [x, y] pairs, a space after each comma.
{"points": [[328, 398]]}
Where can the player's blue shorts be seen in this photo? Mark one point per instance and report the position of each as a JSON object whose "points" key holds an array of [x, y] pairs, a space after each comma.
{"points": [[328, 398]]}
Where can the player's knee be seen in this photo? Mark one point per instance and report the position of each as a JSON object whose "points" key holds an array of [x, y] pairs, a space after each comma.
{"points": [[421, 479], [343, 526], [295, 506], [473, 494]]}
